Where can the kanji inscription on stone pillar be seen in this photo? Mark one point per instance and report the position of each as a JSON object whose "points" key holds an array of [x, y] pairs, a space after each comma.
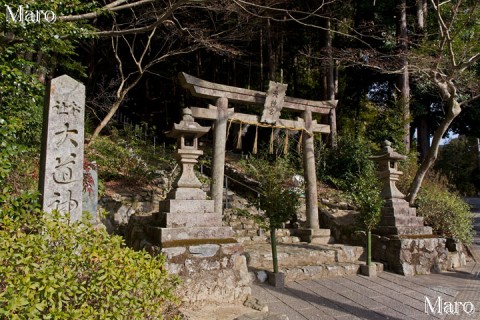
{"points": [[61, 175], [273, 102]]}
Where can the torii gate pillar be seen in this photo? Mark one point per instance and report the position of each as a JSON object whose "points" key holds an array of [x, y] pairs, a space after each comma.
{"points": [[310, 174], [219, 142]]}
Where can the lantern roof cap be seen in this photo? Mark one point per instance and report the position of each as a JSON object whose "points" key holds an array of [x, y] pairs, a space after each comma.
{"points": [[187, 126], [388, 153]]}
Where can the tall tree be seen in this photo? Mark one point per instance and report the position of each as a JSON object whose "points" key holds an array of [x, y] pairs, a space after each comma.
{"points": [[448, 60], [403, 83]]}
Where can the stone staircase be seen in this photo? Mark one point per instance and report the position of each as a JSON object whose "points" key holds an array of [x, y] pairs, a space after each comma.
{"points": [[298, 260], [302, 261]]}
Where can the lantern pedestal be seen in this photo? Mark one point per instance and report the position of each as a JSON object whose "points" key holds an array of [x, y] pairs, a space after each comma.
{"points": [[186, 216], [398, 218]]}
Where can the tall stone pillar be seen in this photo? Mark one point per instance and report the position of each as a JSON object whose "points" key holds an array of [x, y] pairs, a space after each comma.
{"points": [[312, 233], [310, 175], [333, 127], [218, 168], [61, 169]]}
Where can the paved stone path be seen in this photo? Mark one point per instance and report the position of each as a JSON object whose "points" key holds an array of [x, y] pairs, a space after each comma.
{"points": [[388, 296]]}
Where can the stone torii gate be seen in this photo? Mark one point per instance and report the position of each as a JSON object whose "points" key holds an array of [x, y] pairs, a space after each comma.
{"points": [[221, 114]]}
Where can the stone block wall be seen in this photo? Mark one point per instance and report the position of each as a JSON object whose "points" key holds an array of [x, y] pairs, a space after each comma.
{"points": [[417, 255], [211, 273], [119, 208]]}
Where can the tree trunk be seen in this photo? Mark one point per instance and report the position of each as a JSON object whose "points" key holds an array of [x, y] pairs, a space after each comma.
{"points": [[331, 88], [120, 97], [325, 52], [273, 242], [420, 17], [423, 136], [454, 110], [271, 53], [261, 59], [403, 84]]}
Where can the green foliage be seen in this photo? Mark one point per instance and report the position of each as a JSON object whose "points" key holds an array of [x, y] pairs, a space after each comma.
{"points": [[277, 198], [349, 168], [372, 110], [8, 146], [124, 156], [365, 192], [19, 207], [463, 27], [458, 160], [72, 271], [16, 198], [115, 160], [341, 166], [387, 123], [443, 208], [445, 211], [409, 168], [30, 52]]}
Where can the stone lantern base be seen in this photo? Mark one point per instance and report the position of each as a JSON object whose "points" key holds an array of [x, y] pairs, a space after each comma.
{"points": [[411, 255], [200, 250], [398, 218]]}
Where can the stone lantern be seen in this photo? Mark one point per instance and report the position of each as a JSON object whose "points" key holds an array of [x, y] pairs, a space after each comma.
{"points": [[398, 218], [186, 215], [388, 171], [187, 186]]}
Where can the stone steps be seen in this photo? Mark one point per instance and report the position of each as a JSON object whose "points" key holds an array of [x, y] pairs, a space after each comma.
{"points": [[298, 260], [250, 236], [305, 261], [320, 271], [259, 255]]}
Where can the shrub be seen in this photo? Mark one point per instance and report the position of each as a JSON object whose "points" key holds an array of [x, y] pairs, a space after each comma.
{"points": [[115, 160], [342, 165], [445, 211], [120, 156], [439, 203], [278, 200], [365, 193], [72, 271], [277, 197], [18, 171], [458, 160]]}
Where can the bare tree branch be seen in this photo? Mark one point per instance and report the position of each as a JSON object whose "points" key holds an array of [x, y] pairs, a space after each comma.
{"points": [[464, 103], [112, 7], [159, 20]]}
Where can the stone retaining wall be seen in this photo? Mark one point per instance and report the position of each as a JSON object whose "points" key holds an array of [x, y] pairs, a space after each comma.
{"points": [[212, 273], [418, 255], [120, 207]]}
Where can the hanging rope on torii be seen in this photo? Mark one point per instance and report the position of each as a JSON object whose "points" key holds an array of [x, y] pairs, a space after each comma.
{"points": [[273, 102]]}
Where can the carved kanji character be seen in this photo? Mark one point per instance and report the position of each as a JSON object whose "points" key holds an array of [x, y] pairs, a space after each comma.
{"points": [[63, 204], [64, 108], [66, 134], [63, 172]]}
